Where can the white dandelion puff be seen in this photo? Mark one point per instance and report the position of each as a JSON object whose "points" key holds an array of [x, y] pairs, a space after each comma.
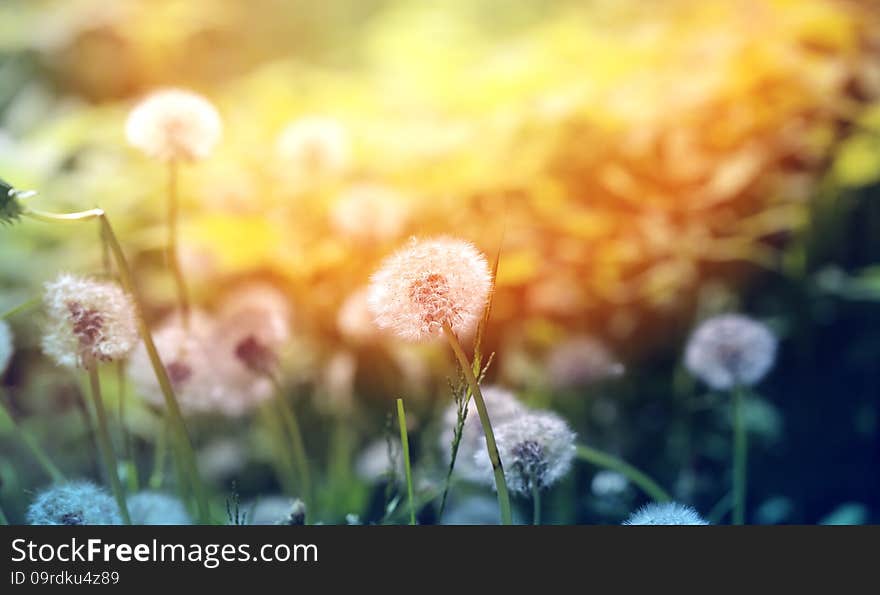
{"points": [[314, 147], [156, 508], [730, 350], [174, 125], [429, 284], [665, 513], [502, 406], [581, 361], [369, 213], [74, 503], [7, 347], [536, 450], [88, 321]]}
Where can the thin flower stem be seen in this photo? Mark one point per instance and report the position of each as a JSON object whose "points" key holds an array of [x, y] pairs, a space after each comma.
{"points": [[184, 454], [602, 459], [404, 443], [20, 308], [491, 447], [288, 417], [158, 473], [536, 504], [131, 470], [173, 252], [285, 465], [105, 445], [34, 446], [740, 454], [183, 444]]}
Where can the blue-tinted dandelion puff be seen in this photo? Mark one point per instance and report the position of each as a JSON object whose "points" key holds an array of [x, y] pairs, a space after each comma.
{"points": [[74, 503], [666, 513], [730, 350]]}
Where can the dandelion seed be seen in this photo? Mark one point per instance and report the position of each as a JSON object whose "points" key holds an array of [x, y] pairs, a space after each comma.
{"points": [[174, 125], [536, 450], [156, 508], [314, 147], [666, 513], [730, 350], [502, 406], [581, 361], [7, 348], [428, 284], [369, 213], [74, 503], [88, 321]]}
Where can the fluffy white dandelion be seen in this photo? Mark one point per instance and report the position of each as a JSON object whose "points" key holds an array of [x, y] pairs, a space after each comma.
{"points": [[381, 459], [314, 147], [74, 503], [730, 350], [253, 325], [428, 284], [536, 450], [156, 508], [88, 321], [369, 213], [174, 125], [666, 513], [186, 355], [502, 406], [581, 361], [7, 348]]}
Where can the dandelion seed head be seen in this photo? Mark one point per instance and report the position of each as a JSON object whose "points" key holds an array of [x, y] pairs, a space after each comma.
{"points": [[375, 462], [174, 125], [315, 147], [730, 350], [581, 361], [502, 406], [7, 347], [536, 450], [74, 503], [157, 508], [186, 355], [430, 283], [369, 213], [665, 513], [88, 321]]}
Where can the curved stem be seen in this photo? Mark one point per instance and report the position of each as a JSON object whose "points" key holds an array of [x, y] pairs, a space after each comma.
{"points": [[56, 217], [20, 308], [39, 454], [106, 447], [404, 443], [184, 448], [740, 454], [491, 447], [602, 459], [173, 253]]}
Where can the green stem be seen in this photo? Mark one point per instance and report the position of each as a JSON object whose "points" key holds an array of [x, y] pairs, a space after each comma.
{"points": [[127, 450], [740, 454], [173, 252], [20, 308], [56, 217], [285, 465], [404, 443], [536, 504], [491, 447], [602, 459], [105, 445], [34, 446], [158, 472], [183, 444], [288, 417]]}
